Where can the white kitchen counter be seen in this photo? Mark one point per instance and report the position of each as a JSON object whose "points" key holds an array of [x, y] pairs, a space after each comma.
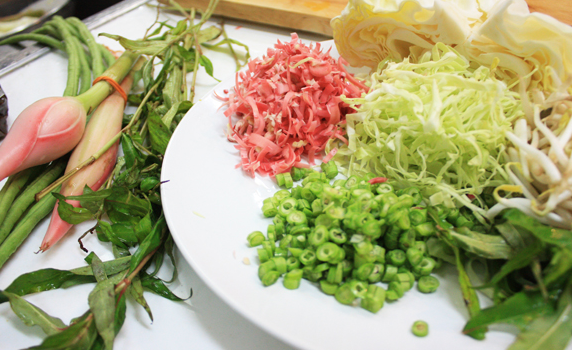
{"points": [[202, 322]]}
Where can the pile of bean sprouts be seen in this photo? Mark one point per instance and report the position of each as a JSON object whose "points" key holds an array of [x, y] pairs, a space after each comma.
{"points": [[540, 164]]}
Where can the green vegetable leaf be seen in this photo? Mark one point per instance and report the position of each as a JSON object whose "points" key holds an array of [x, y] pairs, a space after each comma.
{"points": [[143, 47], [158, 287], [102, 304], [46, 279], [559, 266], [31, 315], [208, 34], [522, 259], [107, 232], [80, 335], [97, 267], [208, 65], [150, 243], [483, 245], [123, 201], [69, 213], [136, 291], [520, 310], [551, 235], [469, 293], [159, 133], [551, 331], [111, 267], [228, 41]]}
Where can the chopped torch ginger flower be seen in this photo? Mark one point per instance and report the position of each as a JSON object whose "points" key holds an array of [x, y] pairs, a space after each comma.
{"points": [[288, 104]]}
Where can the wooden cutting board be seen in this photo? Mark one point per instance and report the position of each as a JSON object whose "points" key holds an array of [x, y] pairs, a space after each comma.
{"points": [[315, 15]]}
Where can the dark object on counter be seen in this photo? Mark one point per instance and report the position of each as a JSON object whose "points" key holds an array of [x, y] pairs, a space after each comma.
{"points": [[12, 7], [84, 9], [3, 114]]}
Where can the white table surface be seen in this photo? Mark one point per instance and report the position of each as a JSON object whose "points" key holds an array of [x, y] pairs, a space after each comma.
{"points": [[202, 322]]}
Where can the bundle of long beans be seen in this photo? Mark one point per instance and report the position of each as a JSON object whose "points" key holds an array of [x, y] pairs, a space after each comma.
{"points": [[19, 212]]}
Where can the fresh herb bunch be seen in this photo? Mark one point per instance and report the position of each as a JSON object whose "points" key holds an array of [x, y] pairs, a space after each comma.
{"points": [[528, 275], [131, 199]]}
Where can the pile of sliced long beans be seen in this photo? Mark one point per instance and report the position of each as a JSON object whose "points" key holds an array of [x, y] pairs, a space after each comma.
{"points": [[349, 236], [19, 212]]}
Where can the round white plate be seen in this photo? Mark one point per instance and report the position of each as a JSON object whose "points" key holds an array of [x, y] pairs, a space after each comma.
{"points": [[211, 206]]}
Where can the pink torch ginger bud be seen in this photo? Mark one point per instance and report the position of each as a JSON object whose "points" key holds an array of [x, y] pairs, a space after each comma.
{"points": [[44, 131], [104, 125]]}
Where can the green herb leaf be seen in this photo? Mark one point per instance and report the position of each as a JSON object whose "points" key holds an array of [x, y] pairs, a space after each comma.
{"points": [[150, 243], [159, 133], [31, 315], [143, 47], [107, 232], [97, 268], [157, 286], [519, 310], [208, 34], [559, 266], [46, 279], [524, 258], [123, 201], [551, 331], [80, 335], [102, 304], [551, 235], [483, 245], [111, 267], [208, 65], [69, 213], [136, 291]]}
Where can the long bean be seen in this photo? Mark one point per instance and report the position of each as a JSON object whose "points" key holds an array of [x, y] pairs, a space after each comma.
{"points": [[41, 38], [50, 30], [107, 55], [87, 38], [26, 198], [36, 213], [11, 189], [84, 68], [74, 63]]}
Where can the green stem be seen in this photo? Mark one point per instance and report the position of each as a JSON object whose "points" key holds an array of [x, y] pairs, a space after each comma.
{"points": [[98, 92]]}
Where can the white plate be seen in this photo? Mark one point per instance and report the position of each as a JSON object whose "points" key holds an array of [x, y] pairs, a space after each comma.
{"points": [[211, 207]]}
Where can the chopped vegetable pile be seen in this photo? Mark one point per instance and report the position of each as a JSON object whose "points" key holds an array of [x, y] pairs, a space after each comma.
{"points": [[288, 104], [436, 123], [349, 236]]}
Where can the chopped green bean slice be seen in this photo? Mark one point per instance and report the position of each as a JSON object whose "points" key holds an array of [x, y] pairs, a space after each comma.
{"points": [[396, 257], [420, 328], [255, 238], [373, 299], [344, 294], [270, 278], [292, 279], [328, 288], [427, 284], [308, 257], [414, 256]]}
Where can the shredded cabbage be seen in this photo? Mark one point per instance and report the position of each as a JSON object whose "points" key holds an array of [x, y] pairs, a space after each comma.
{"points": [[439, 124], [368, 31]]}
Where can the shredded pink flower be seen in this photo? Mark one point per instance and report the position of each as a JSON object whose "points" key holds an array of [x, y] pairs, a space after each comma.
{"points": [[377, 180], [288, 104]]}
